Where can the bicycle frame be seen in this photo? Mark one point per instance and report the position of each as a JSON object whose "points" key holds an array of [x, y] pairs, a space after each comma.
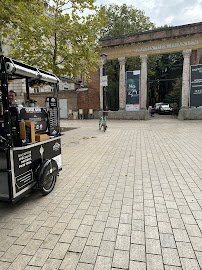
{"points": [[103, 121]]}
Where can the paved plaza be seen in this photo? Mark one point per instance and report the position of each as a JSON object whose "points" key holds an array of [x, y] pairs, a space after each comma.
{"points": [[129, 198]]}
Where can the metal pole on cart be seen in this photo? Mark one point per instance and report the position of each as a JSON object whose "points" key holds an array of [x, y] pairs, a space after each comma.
{"points": [[58, 111], [7, 119], [5, 101]]}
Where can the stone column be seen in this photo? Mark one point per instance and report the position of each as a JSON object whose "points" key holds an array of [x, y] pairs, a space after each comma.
{"points": [[186, 78], [101, 89], [122, 84], [143, 82]]}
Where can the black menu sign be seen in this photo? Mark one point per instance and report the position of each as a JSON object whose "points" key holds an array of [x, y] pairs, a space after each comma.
{"points": [[196, 86], [37, 115], [53, 116]]}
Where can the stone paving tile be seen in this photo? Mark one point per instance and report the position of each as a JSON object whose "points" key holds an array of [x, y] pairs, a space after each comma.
{"points": [[59, 251], [154, 262], [152, 232], [67, 236], [58, 228], [70, 261], [89, 254], [88, 220], [103, 263], [98, 226], [196, 243], [185, 250], [124, 229], [42, 233], [137, 253], [106, 249], [177, 223], [165, 227], [133, 204], [134, 265], [40, 257], [121, 259], [35, 226], [11, 254], [188, 264], [4, 265], [110, 234], [171, 257], [20, 262], [122, 242], [83, 231], [94, 239], [167, 240], [51, 264], [31, 247], [137, 225], [138, 237], [153, 246], [50, 241]]}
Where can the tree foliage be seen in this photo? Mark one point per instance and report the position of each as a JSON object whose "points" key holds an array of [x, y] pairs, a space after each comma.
{"points": [[168, 67], [59, 38], [123, 20]]}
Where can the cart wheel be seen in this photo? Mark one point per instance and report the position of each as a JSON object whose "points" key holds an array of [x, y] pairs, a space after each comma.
{"points": [[47, 176]]}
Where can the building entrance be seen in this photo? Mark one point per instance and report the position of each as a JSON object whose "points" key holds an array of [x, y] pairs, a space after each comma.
{"points": [[165, 91], [186, 39]]}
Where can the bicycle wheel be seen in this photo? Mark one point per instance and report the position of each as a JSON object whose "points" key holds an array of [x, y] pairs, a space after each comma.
{"points": [[100, 124], [104, 125]]}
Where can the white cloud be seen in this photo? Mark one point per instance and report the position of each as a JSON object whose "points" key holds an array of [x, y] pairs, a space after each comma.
{"points": [[161, 12], [194, 14], [169, 20]]}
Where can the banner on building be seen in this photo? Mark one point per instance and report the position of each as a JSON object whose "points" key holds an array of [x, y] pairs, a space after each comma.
{"points": [[196, 86], [133, 90]]}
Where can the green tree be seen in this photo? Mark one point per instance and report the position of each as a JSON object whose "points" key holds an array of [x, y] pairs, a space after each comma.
{"points": [[124, 20], [168, 68], [57, 38]]}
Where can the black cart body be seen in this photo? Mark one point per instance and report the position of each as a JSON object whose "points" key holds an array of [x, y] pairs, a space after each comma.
{"points": [[26, 162]]}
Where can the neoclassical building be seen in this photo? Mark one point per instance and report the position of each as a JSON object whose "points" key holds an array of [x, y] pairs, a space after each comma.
{"points": [[186, 39]]}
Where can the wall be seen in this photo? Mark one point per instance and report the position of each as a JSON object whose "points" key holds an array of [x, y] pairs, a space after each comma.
{"points": [[69, 95], [90, 99]]}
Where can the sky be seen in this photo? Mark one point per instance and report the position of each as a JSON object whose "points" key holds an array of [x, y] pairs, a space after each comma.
{"points": [[161, 12]]}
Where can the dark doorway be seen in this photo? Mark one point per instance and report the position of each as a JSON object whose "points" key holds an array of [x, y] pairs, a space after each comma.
{"points": [[165, 91]]}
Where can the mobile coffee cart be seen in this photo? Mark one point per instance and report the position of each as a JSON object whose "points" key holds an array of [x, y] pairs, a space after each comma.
{"points": [[30, 139]]}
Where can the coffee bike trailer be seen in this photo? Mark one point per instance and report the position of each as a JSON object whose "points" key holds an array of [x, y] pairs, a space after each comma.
{"points": [[30, 139]]}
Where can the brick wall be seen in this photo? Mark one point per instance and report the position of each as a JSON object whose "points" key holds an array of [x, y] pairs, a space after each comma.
{"points": [[90, 99]]}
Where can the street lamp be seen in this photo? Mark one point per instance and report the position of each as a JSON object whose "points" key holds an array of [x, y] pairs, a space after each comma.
{"points": [[103, 58]]}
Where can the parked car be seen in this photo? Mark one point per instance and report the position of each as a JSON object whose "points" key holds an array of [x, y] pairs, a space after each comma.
{"points": [[165, 109], [157, 106]]}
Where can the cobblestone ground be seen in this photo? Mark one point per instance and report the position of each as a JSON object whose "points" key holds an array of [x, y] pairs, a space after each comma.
{"points": [[129, 198]]}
